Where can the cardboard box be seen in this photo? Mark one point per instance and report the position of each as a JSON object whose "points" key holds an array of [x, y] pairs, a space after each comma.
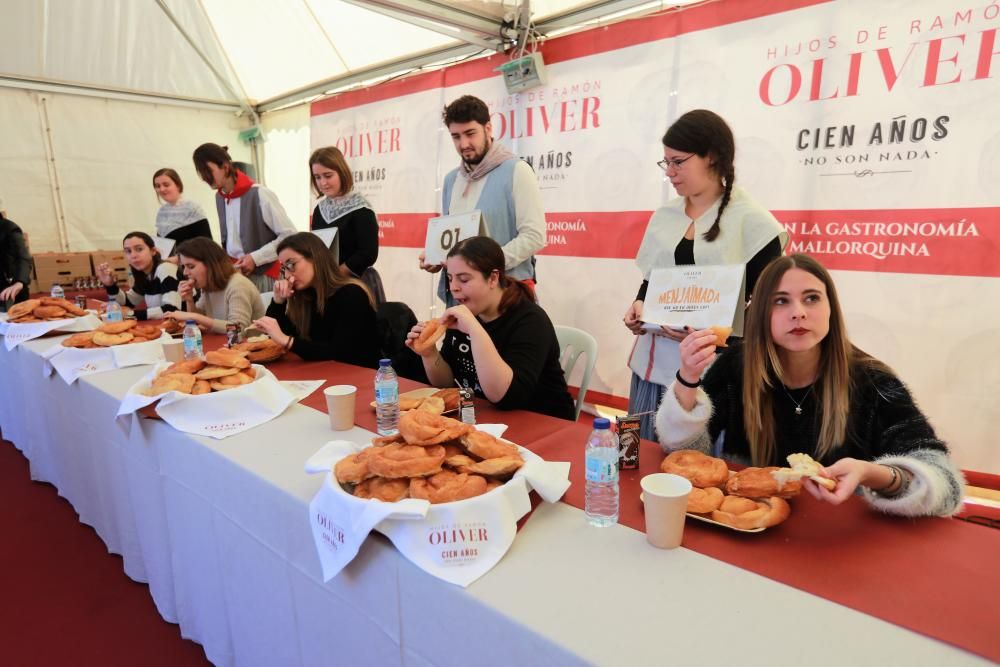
{"points": [[60, 267], [116, 260]]}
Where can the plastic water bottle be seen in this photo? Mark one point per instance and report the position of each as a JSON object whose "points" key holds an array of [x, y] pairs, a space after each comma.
{"points": [[602, 475], [114, 313], [192, 341], [57, 291], [386, 399]]}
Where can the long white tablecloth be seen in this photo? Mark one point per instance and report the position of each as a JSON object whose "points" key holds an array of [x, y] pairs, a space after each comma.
{"points": [[219, 530]]}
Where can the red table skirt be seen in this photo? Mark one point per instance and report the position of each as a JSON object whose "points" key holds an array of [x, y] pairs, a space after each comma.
{"points": [[938, 577]]}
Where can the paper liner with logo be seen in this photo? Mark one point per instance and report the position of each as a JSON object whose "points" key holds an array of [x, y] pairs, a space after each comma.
{"points": [[218, 414], [14, 334], [458, 542], [72, 363]]}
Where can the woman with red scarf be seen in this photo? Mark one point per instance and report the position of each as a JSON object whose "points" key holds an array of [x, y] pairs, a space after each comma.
{"points": [[252, 220]]}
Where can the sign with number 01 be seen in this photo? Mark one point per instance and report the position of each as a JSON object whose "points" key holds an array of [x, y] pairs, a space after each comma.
{"points": [[445, 231]]}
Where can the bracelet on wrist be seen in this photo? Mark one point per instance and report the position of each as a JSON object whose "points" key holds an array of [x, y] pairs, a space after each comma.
{"points": [[689, 385]]}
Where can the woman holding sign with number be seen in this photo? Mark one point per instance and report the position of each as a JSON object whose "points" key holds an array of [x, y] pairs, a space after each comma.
{"points": [[497, 340], [317, 312], [796, 385], [710, 223], [348, 212]]}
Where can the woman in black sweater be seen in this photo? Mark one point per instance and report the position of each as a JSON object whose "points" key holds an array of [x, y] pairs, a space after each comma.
{"points": [[499, 342], [349, 213], [317, 312], [797, 384]]}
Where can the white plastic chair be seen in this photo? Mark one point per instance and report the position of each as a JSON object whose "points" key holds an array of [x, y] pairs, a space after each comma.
{"points": [[573, 343]]}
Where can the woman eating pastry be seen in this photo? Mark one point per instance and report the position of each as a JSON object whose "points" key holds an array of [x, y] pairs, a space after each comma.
{"points": [[317, 312], [797, 384], [154, 281], [214, 292], [499, 342]]}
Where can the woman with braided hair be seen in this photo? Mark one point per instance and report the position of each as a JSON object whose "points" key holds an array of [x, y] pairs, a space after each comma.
{"points": [[711, 222]]}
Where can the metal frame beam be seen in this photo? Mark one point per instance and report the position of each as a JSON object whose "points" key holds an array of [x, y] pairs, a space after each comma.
{"points": [[360, 76], [484, 39], [85, 90], [437, 12], [596, 12]]}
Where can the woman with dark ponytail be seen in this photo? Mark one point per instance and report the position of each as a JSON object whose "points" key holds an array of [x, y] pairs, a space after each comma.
{"points": [[499, 342], [710, 223]]}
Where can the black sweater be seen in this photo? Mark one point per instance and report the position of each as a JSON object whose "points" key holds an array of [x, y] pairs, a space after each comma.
{"points": [[193, 230], [345, 332], [527, 342], [883, 418], [358, 237], [15, 262]]}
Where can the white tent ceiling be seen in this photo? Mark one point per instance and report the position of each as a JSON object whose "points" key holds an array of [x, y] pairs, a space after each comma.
{"points": [[262, 54]]}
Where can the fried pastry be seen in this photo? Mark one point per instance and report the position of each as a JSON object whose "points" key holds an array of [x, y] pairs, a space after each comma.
{"points": [[108, 339], [79, 339], [700, 469], [214, 372], [423, 428], [432, 404], [386, 490], [432, 332], [802, 465], [19, 310], [485, 446], [722, 334], [229, 358], [406, 460], [703, 501], [191, 366], [503, 466], [354, 468], [201, 387], [49, 312], [117, 327], [450, 396], [759, 483], [750, 514], [447, 486]]}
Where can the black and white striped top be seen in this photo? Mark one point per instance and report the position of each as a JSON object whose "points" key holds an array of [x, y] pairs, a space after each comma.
{"points": [[161, 294]]}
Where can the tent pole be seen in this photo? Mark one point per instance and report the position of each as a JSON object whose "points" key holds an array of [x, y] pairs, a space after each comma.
{"points": [[54, 186]]}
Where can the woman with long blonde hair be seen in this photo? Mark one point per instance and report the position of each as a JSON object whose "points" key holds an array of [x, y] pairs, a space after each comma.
{"points": [[317, 311], [797, 384]]}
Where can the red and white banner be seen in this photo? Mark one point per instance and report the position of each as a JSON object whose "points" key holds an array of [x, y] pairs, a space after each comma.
{"points": [[869, 129]]}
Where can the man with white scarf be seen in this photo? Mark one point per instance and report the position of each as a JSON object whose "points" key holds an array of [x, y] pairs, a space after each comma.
{"points": [[494, 181]]}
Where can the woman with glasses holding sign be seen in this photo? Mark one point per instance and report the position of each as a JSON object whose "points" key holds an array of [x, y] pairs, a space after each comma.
{"points": [[795, 384], [348, 212], [214, 292], [317, 312], [710, 223]]}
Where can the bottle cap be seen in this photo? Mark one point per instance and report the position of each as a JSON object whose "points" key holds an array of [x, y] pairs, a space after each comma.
{"points": [[602, 423], [189, 322], [384, 362]]}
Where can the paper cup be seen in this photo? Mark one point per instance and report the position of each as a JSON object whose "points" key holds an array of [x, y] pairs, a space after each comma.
{"points": [[173, 350], [340, 405], [665, 501]]}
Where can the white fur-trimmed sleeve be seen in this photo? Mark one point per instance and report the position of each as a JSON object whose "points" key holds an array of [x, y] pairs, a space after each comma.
{"points": [[936, 489], [678, 428]]}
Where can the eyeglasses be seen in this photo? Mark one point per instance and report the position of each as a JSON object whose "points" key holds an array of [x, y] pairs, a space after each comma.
{"points": [[676, 164], [288, 267]]}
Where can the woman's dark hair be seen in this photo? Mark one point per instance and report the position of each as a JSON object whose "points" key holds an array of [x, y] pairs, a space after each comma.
{"points": [[140, 282], [327, 279], [218, 264], [466, 109], [215, 154], [172, 175], [705, 134], [331, 158], [485, 255]]}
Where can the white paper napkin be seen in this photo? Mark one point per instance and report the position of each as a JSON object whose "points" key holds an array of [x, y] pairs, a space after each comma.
{"points": [[301, 388], [14, 334], [72, 363], [458, 542], [218, 414]]}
